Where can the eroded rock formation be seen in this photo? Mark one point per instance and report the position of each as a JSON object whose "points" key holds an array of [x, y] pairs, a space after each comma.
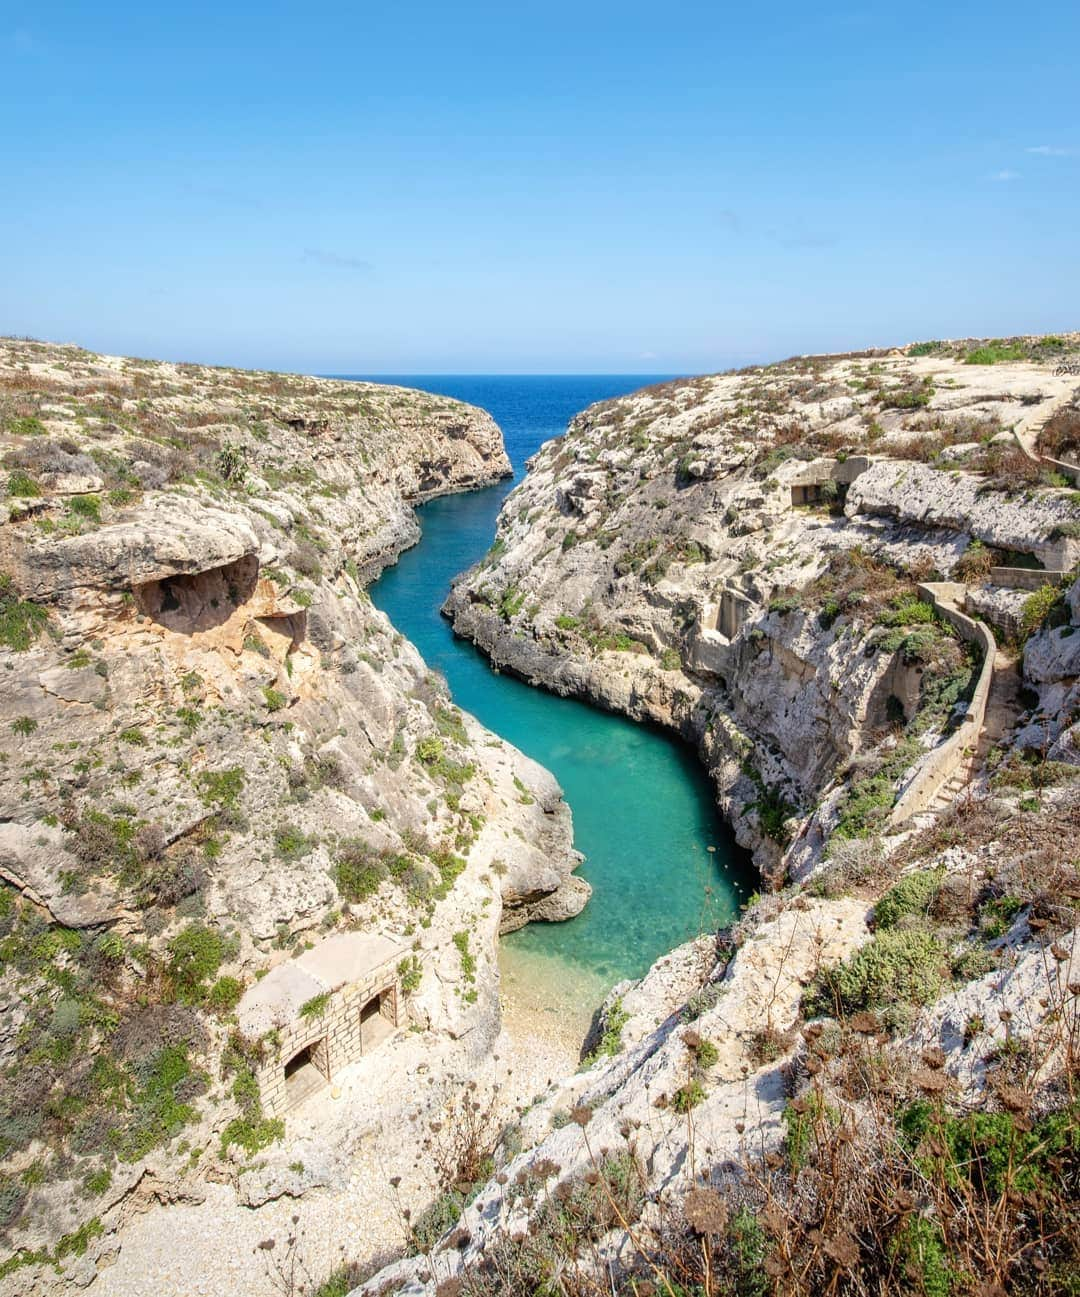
{"points": [[216, 751]]}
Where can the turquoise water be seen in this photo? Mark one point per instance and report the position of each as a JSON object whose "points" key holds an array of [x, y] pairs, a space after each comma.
{"points": [[643, 810]]}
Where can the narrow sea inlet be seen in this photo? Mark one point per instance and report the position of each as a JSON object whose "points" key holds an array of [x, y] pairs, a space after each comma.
{"points": [[644, 814]]}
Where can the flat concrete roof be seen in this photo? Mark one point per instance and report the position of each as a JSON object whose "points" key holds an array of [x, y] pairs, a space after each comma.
{"points": [[348, 957], [276, 999]]}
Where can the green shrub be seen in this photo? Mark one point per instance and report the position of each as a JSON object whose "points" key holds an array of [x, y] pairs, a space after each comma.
{"points": [[995, 1152], [221, 787], [774, 810], [801, 1116], [86, 507], [921, 1249], [706, 1055], [251, 1130], [275, 700], [611, 1040], [24, 726], [232, 463], [749, 1246], [896, 968], [342, 1281], [252, 1133], [315, 1007], [411, 973], [449, 722], [225, 994], [511, 603], [994, 353], [290, 843], [98, 1181], [359, 871], [688, 1096], [195, 954], [435, 1220], [76, 1243], [913, 894], [908, 398], [160, 1111], [28, 426], [867, 803], [22, 485], [905, 610], [468, 959], [1042, 607], [21, 621]]}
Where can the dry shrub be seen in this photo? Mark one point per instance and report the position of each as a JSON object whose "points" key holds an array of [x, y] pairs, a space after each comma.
{"points": [[153, 1028], [1007, 468], [20, 380], [856, 584], [1060, 439], [975, 563], [464, 1140], [922, 448]]}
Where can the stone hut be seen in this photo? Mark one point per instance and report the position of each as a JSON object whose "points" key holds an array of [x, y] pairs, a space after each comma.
{"points": [[320, 1012], [819, 481]]}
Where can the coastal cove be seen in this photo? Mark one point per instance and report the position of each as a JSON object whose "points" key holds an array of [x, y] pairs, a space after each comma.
{"points": [[644, 812]]}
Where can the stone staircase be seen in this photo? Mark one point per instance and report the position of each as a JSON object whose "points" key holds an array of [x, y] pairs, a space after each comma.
{"points": [[1002, 711], [1027, 433], [950, 791]]}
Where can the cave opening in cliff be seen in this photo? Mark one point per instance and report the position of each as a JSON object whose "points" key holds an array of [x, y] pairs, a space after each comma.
{"points": [[195, 601]]}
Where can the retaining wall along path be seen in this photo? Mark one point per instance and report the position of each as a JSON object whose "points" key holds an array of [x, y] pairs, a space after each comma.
{"points": [[933, 772]]}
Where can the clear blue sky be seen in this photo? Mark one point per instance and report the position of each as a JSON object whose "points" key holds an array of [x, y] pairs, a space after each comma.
{"points": [[535, 187]]}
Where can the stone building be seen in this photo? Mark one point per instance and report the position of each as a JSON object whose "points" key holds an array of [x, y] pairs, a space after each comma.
{"points": [[320, 1012]]}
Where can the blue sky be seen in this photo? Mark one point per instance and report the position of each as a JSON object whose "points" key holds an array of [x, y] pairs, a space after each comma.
{"points": [[539, 187]]}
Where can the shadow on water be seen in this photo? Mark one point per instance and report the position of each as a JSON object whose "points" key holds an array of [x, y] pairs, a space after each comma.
{"points": [[644, 814]]}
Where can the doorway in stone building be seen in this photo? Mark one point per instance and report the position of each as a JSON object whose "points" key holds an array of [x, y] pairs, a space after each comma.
{"points": [[376, 1019], [308, 1070]]}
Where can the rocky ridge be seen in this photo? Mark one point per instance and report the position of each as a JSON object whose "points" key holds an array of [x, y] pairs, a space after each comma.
{"points": [[731, 556], [745, 558], [215, 750]]}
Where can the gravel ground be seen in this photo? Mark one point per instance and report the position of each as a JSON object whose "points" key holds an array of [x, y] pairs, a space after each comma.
{"points": [[359, 1142]]}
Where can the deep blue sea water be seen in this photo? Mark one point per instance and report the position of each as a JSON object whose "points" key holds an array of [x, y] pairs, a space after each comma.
{"points": [[643, 810]]}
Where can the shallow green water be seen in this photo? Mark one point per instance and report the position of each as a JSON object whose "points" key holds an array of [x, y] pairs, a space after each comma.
{"points": [[643, 810]]}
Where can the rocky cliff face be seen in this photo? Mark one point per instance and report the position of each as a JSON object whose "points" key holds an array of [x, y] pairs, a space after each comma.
{"points": [[216, 749], [810, 1101], [736, 557]]}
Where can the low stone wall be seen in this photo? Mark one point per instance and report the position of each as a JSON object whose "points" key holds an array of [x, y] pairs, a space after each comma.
{"points": [[939, 765], [1071, 472], [1026, 578]]}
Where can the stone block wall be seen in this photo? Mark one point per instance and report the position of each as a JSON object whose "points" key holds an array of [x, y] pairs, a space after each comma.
{"points": [[335, 1034], [934, 771]]}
